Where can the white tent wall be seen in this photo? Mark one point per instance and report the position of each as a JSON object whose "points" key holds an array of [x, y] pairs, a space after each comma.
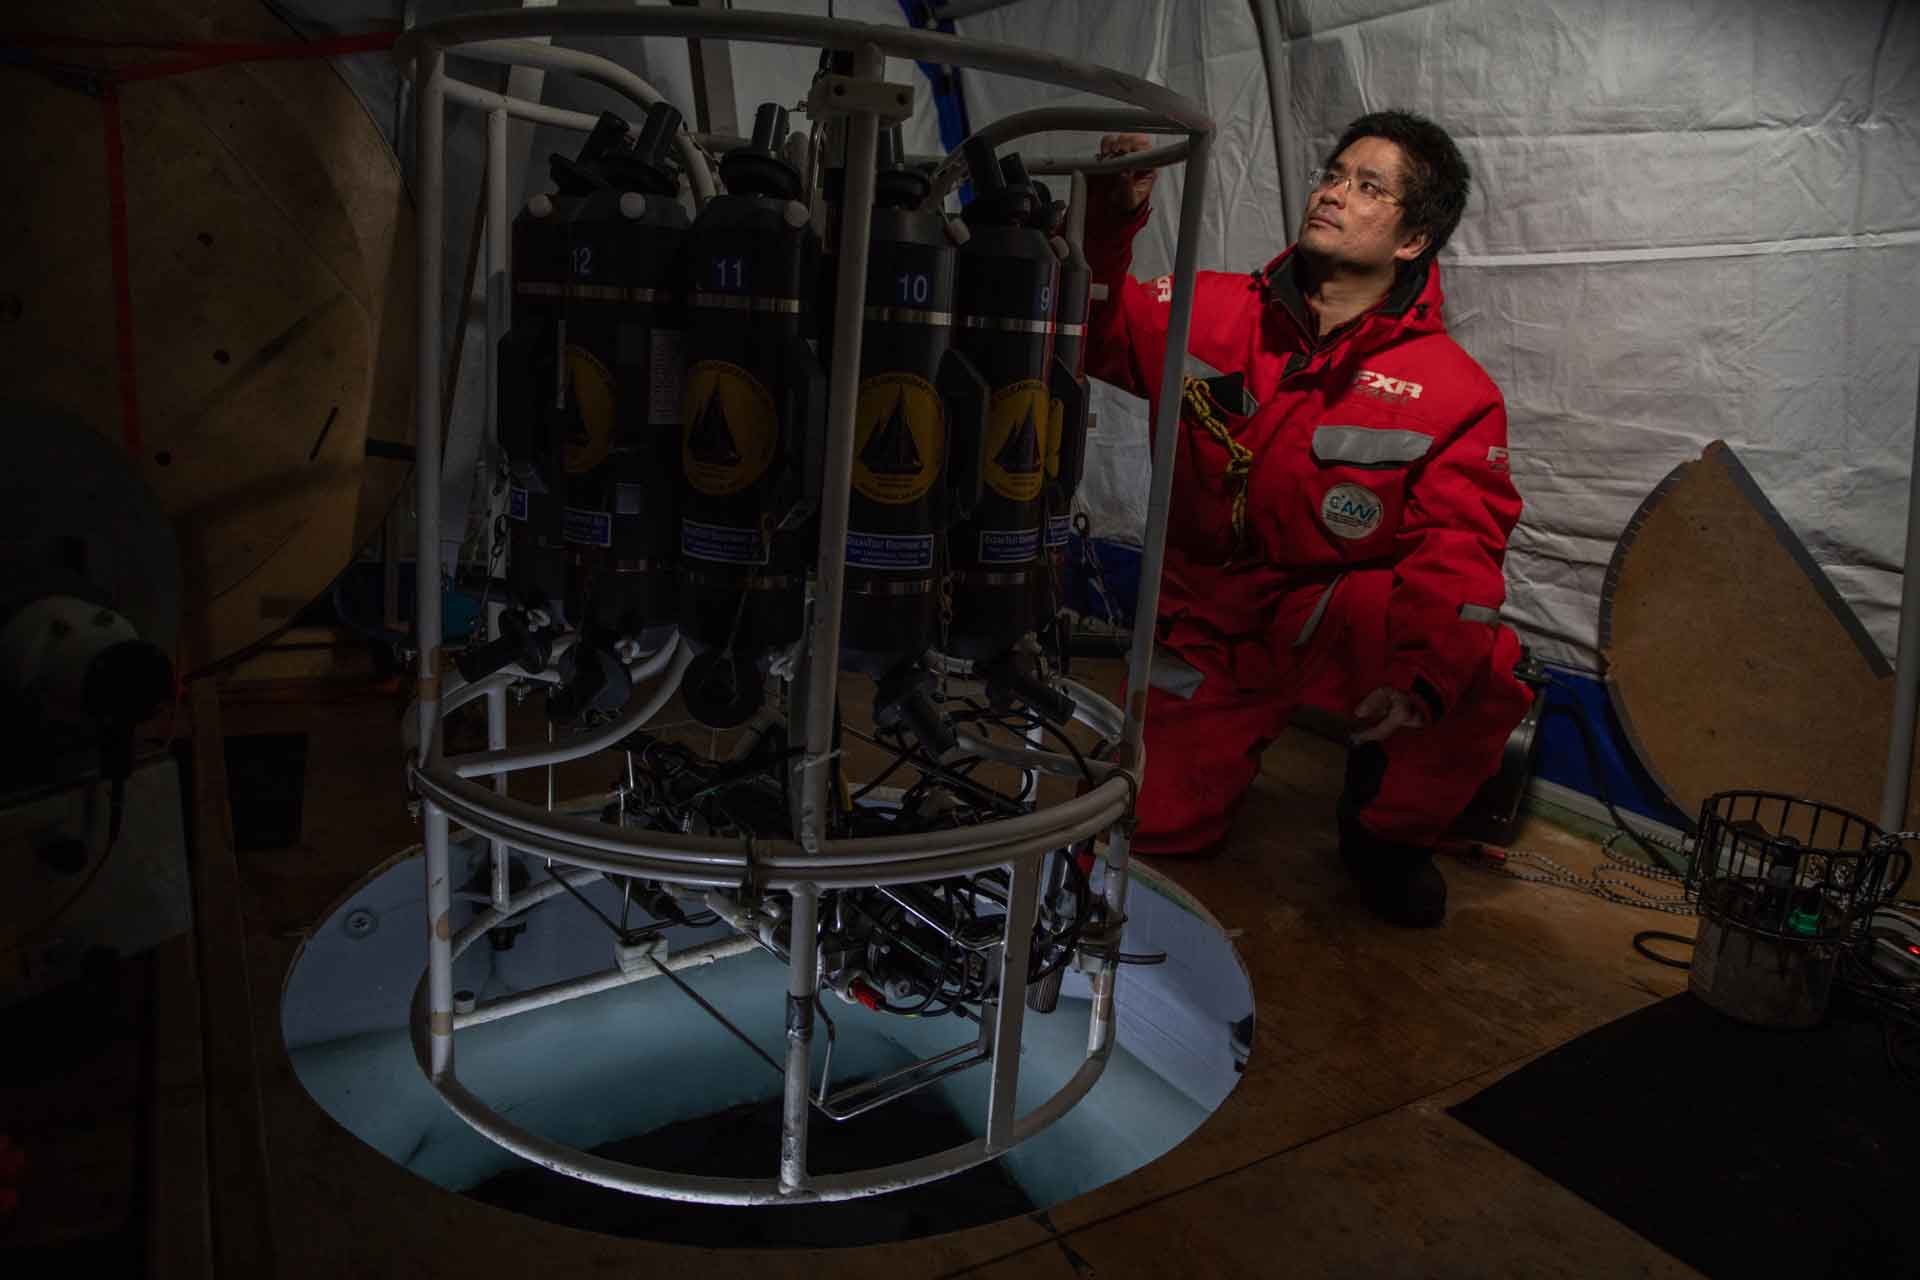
{"points": [[1690, 221]]}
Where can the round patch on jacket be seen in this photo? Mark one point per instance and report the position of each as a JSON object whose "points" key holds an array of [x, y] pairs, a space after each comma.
{"points": [[1351, 511]]}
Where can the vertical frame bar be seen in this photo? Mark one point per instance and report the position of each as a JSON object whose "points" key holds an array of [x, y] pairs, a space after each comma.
{"points": [[803, 976], [1906, 667], [1153, 559], [499, 265], [822, 667], [496, 741], [499, 250], [1153, 556], [439, 942], [430, 162], [1023, 901]]}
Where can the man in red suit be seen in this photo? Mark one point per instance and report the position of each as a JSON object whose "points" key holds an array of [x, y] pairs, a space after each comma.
{"points": [[1340, 512]]}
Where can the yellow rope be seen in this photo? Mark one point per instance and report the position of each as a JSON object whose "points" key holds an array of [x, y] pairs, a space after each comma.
{"points": [[1239, 458]]}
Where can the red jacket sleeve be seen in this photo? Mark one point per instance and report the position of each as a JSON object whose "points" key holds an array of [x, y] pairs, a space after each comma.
{"points": [[1449, 579], [1127, 332]]}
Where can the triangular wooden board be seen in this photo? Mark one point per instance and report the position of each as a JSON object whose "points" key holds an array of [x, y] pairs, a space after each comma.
{"points": [[1730, 658]]}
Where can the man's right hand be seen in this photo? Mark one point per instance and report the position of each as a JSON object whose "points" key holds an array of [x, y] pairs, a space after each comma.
{"points": [[1126, 191]]}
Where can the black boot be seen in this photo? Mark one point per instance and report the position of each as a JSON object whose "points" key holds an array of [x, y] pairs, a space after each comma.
{"points": [[1398, 881]]}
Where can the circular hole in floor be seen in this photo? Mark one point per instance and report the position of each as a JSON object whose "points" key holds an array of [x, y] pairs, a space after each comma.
{"points": [[642, 1075]]}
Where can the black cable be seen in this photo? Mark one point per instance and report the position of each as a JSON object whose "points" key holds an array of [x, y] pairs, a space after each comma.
{"points": [[1640, 944], [1079, 757], [867, 789], [1068, 940], [1573, 711], [960, 782]]}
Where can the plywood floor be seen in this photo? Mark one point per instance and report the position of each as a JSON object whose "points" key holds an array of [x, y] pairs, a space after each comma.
{"points": [[1334, 1155]]}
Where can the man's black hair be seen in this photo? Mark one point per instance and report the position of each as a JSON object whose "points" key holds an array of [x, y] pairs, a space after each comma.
{"points": [[1437, 181]]}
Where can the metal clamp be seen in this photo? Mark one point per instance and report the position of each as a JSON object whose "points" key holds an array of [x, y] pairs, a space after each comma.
{"points": [[837, 95]]}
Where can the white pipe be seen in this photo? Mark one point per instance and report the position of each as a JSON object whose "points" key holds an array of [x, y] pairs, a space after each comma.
{"points": [[497, 741], [431, 161], [803, 981], [467, 95], [1153, 553], [1041, 166], [731, 865], [436, 864], [1023, 902], [1273, 49], [580, 744], [499, 249], [554, 993], [477, 808], [603, 71], [822, 668], [1023, 124]]}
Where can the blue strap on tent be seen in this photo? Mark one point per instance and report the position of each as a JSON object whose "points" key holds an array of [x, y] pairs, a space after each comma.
{"points": [[948, 102]]}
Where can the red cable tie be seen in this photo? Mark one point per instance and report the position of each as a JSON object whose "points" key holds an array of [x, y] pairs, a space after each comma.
{"points": [[230, 54]]}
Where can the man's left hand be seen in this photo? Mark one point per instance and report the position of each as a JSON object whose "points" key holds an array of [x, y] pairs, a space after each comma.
{"points": [[1387, 711]]}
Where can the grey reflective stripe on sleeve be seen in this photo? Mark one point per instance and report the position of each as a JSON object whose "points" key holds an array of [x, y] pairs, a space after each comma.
{"points": [[1369, 446], [1170, 675], [1319, 612], [1479, 613]]}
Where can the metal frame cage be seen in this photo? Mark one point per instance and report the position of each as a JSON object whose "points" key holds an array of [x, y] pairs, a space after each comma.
{"points": [[449, 787], [1790, 869]]}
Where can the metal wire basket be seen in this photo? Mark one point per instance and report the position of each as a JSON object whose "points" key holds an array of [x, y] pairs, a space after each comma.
{"points": [[1783, 885]]}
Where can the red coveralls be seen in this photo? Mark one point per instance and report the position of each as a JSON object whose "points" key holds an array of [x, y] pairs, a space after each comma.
{"points": [[1339, 527]]}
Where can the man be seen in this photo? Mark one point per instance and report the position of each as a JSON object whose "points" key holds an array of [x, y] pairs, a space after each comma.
{"points": [[1340, 512]]}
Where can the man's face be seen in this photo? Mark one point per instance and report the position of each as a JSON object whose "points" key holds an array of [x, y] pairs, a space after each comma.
{"points": [[1347, 225]]}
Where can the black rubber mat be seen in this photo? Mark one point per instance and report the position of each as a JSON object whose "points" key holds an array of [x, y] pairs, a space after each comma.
{"points": [[1742, 1152], [266, 780]]}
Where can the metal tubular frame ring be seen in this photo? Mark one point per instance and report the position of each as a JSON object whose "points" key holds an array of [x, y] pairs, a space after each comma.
{"points": [[1017, 843]]}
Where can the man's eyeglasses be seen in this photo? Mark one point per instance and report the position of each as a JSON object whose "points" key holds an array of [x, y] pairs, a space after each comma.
{"points": [[1327, 179]]}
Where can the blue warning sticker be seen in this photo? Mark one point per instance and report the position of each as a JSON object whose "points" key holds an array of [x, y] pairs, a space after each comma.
{"points": [[722, 543], [1009, 546], [889, 551], [1059, 530], [588, 528], [516, 502]]}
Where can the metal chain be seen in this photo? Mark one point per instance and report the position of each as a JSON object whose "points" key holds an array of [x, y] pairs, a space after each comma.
{"points": [[1612, 881]]}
